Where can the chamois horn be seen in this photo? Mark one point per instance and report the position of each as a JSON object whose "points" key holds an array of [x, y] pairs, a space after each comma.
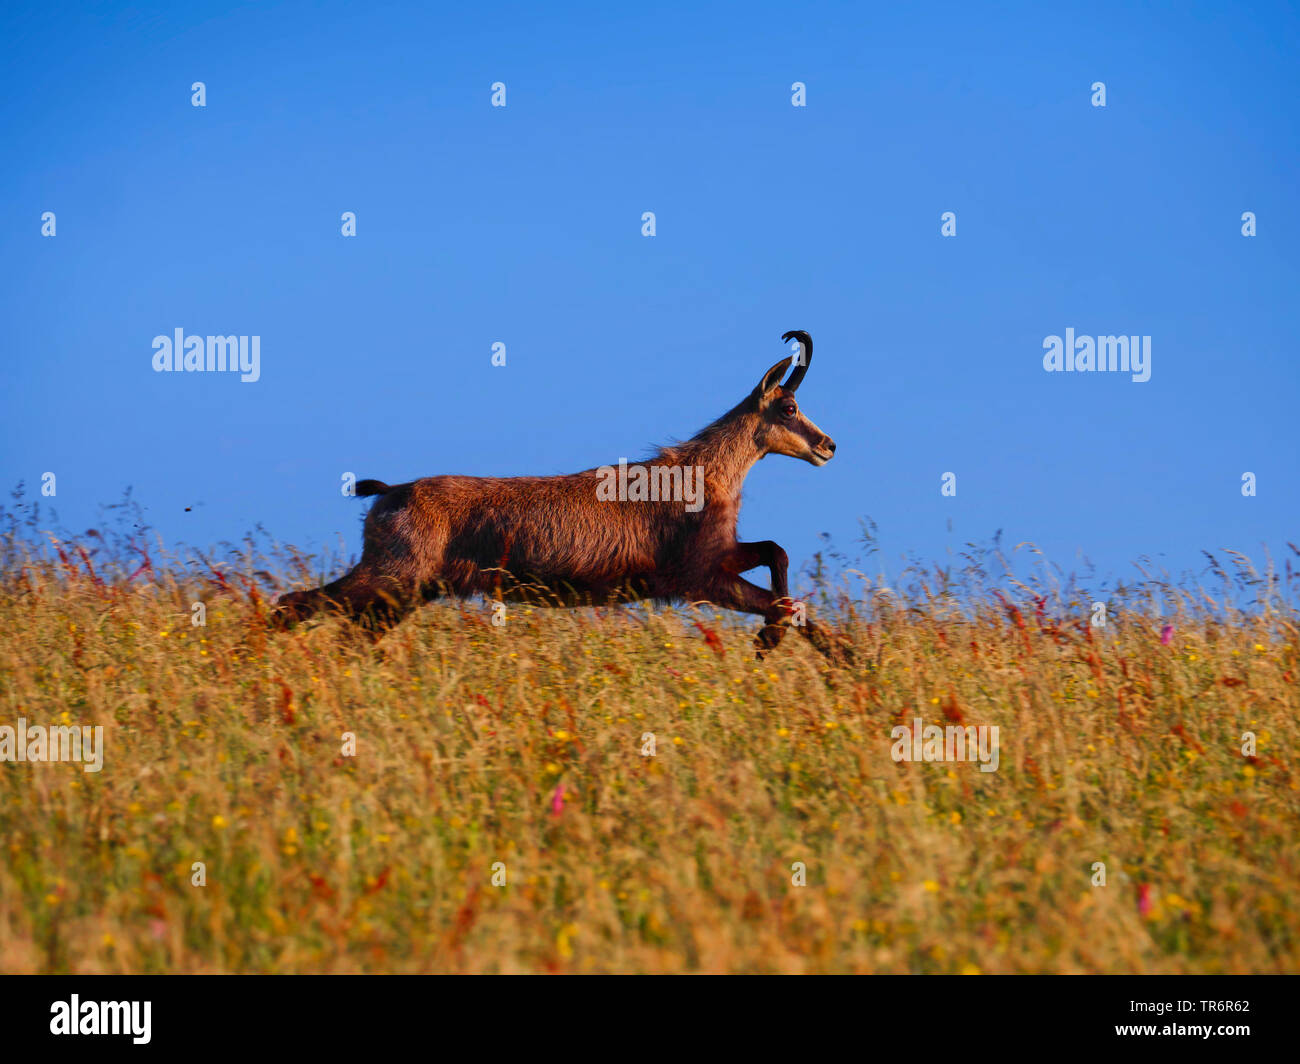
{"points": [[805, 343]]}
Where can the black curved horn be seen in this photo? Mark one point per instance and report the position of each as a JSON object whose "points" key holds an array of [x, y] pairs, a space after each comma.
{"points": [[801, 367]]}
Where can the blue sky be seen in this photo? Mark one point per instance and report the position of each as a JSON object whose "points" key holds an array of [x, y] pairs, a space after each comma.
{"points": [[522, 225]]}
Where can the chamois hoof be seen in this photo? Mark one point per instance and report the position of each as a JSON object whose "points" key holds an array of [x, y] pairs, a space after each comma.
{"points": [[289, 610], [769, 638]]}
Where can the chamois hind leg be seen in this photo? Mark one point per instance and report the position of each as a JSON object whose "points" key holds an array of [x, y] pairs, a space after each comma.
{"points": [[365, 596]]}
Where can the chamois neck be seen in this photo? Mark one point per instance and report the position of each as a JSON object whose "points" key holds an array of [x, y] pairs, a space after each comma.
{"points": [[726, 449]]}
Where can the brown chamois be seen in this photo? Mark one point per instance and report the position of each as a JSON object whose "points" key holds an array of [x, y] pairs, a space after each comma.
{"points": [[612, 534]]}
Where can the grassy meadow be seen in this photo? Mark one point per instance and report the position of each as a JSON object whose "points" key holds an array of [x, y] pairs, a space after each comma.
{"points": [[517, 752]]}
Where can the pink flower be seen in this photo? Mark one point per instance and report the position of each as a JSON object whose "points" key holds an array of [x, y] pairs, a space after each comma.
{"points": [[1144, 899], [1166, 635], [557, 800]]}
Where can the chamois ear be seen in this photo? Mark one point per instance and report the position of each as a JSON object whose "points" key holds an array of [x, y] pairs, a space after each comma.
{"points": [[773, 377]]}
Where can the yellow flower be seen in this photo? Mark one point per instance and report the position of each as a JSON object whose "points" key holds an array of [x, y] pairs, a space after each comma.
{"points": [[218, 821], [931, 886], [970, 969]]}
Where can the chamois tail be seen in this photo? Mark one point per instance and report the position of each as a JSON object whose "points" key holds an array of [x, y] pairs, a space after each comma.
{"points": [[372, 487]]}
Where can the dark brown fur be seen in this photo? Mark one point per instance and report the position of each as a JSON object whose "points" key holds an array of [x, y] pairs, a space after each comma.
{"points": [[550, 540]]}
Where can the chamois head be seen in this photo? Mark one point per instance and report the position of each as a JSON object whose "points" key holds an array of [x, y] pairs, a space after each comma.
{"points": [[783, 428]]}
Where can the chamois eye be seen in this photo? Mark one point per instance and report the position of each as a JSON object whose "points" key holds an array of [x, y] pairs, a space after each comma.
{"points": [[788, 410]]}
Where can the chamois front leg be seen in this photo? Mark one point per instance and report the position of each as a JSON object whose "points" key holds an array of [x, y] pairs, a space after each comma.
{"points": [[776, 605], [746, 556], [736, 593]]}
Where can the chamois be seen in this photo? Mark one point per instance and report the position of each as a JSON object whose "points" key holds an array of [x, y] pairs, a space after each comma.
{"points": [[564, 541]]}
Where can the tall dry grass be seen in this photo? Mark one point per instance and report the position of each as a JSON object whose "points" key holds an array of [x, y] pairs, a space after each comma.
{"points": [[484, 750]]}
